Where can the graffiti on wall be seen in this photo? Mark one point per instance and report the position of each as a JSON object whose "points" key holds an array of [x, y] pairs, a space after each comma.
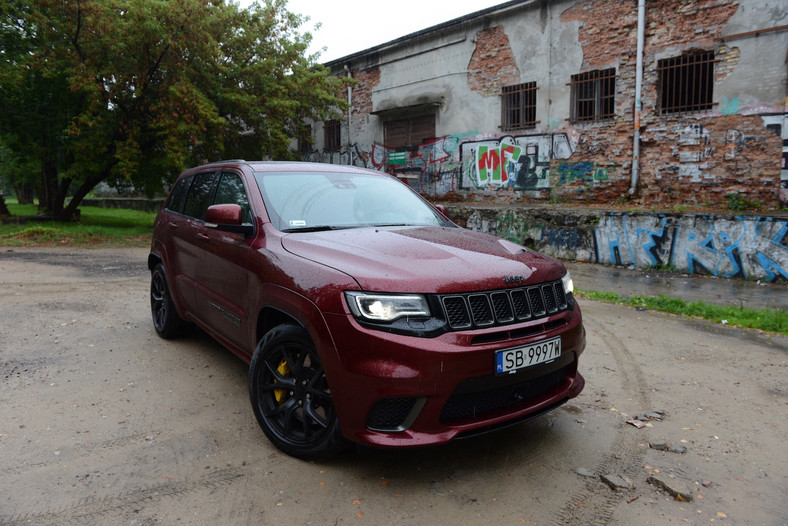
{"points": [[726, 247], [588, 172], [693, 150], [353, 155], [749, 248], [519, 162]]}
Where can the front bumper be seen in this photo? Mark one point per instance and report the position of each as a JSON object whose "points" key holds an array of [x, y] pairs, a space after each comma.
{"points": [[392, 390]]}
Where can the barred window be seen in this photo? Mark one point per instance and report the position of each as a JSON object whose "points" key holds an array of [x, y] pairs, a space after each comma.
{"points": [[686, 83], [593, 95], [518, 106], [332, 135]]}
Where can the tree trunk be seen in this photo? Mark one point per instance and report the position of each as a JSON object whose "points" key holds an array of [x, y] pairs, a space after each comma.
{"points": [[4, 212], [70, 211], [24, 194], [47, 201]]}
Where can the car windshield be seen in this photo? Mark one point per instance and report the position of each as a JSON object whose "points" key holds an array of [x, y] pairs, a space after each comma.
{"points": [[310, 201]]}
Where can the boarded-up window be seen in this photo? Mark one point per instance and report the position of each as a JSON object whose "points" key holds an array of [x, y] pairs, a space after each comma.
{"points": [[406, 133]]}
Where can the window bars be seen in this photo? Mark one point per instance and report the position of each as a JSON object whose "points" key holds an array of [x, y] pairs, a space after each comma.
{"points": [[686, 83], [518, 106], [332, 135], [593, 95]]}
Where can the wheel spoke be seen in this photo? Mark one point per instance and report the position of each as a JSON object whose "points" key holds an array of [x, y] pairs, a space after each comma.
{"points": [[278, 377], [310, 412], [292, 362]]}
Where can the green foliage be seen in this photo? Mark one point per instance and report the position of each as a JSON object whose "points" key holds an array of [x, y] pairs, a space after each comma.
{"points": [[770, 320], [738, 203], [137, 90], [97, 226]]}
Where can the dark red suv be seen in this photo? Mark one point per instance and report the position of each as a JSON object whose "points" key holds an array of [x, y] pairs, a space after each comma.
{"points": [[364, 313]]}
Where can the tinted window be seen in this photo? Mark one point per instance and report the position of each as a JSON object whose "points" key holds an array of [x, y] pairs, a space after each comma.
{"points": [[178, 194], [231, 191], [200, 195]]}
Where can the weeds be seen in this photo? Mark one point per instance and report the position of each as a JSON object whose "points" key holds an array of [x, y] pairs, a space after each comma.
{"points": [[738, 203], [768, 320]]}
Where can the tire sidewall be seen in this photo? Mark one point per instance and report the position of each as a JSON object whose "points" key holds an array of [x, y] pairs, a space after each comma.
{"points": [[332, 441]]}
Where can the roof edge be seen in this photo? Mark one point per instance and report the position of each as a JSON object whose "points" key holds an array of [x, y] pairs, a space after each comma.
{"points": [[439, 27]]}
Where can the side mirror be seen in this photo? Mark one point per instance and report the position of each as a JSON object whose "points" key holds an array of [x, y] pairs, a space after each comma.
{"points": [[227, 218]]}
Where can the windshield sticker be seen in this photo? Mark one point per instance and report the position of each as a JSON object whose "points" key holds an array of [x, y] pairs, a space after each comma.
{"points": [[297, 222], [344, 185]]}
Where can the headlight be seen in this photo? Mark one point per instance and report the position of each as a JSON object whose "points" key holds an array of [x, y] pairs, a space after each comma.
{"points": [[569, 285], [386, 307]]}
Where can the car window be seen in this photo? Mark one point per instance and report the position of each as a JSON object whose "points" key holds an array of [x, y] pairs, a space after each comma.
{"points": [[200, 195], [178, 194], [297, 201], [231, 191]]}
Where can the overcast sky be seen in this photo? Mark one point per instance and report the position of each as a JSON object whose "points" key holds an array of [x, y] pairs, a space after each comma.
{"points": [[349, 26]]}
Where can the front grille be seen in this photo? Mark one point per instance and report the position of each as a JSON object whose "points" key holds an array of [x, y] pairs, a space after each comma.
{"points": [[500, 307], [478, 403]]}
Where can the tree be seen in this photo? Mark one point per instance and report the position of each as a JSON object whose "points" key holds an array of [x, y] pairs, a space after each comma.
{"points": [[136, 90]]}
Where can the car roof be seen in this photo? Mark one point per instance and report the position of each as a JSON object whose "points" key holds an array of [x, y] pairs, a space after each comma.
{"points": [[288, 166]]}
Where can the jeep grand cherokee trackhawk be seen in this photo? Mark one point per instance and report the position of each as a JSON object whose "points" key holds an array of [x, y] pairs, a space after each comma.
{"points": [[363, 312]]}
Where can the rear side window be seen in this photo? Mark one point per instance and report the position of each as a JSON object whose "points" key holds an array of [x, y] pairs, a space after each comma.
{"points": [[200, 195], [231, 191], [178, 194]]}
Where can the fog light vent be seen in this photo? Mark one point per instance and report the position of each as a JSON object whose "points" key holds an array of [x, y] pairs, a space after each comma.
{"points": [[394, 414]]}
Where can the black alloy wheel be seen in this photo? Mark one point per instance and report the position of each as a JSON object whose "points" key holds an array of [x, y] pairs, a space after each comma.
{"points": [[291, 397], [166, 321]]}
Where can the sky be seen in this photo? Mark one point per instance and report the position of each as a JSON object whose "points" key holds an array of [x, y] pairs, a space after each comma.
{"points": [[349, 26]]}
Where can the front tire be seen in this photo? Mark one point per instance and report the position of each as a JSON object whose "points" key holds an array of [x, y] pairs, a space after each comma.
{"points": [[166, 321], [291, 397]]}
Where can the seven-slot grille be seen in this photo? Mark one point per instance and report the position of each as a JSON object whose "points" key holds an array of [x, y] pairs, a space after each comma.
{"points": [[499, 307]]}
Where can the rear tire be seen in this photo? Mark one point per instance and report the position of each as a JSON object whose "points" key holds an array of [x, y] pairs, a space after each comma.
{"points": [[290, 395], [166, 321]]}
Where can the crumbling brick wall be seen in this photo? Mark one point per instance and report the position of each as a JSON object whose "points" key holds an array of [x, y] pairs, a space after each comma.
{"points": [[492, 64], [697, 159], [366, 81]]}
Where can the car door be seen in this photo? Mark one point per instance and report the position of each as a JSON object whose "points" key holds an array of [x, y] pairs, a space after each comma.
{"points": [[222, 276], [187, 207]]}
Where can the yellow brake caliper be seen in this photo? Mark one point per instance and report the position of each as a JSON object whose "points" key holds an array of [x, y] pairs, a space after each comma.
{"points": [[284, 370]]}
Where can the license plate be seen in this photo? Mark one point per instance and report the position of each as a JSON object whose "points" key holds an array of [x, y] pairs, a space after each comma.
{"points": [[512, 360]]}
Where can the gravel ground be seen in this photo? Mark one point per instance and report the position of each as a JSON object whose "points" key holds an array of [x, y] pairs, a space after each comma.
{"points": [[102, 422]]}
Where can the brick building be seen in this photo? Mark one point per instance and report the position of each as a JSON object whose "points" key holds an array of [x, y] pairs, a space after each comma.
{"points": [[537, 99]]}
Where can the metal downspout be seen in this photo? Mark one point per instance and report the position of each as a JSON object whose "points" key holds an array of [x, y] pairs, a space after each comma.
{"points": [[633, 184], [349, 115]]}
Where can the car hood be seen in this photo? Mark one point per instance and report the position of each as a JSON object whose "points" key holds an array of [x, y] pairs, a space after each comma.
{"points": [[424, 259]]}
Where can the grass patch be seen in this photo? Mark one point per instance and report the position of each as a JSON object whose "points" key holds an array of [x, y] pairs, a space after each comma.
{"points": [[768, 320], [96, 226]]}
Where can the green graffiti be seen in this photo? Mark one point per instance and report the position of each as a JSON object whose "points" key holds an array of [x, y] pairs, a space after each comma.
{"points": [[588, 172], [494, 165]]}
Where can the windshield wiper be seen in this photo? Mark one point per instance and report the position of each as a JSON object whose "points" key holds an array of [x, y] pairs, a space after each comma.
{"points": [[316, 228]]}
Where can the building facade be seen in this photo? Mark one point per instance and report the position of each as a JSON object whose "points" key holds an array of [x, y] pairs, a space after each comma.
{"points": [[658, 102]]}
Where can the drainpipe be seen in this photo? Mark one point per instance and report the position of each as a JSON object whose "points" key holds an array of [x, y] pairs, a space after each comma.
{"points": [[633, 184], [349, 114]]}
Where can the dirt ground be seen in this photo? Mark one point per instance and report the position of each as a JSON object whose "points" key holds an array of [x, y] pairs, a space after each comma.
{"points": [[102, 422]]}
